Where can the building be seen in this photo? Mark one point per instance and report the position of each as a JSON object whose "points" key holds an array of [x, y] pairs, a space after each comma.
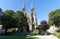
{"points": [[32, 18]]}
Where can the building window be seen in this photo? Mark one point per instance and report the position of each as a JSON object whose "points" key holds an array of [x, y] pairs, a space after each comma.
{"points": [[32, 19]]}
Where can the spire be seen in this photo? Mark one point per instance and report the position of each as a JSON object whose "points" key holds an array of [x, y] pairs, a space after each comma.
{"points": [[33, 16], [23, 7], [32, 7]]}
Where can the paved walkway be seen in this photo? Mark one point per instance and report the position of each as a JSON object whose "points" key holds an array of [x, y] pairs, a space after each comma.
{"points": [[46, 36]]}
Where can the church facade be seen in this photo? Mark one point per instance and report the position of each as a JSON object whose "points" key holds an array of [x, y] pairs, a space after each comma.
{"points": [[31, 16]]}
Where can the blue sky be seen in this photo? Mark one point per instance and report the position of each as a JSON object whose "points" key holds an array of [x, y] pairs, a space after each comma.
{"points": [[42, 7]]}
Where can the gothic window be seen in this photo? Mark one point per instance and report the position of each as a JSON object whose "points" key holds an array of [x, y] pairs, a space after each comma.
{"points": [[32, 14], [32, 19], [31, 9]]}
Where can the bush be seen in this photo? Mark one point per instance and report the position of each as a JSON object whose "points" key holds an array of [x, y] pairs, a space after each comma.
{"points": [[57, 34], [35, 32], [43, 32]]}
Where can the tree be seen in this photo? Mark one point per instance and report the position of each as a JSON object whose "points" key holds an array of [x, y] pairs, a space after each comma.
{"points": [[11, 19], [0, 11], [22, 20], [0, 14], [8, 19], [44, 25], [54, 18]]}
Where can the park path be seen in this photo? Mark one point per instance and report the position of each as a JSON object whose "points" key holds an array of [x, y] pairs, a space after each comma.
{"points": [[46, 36]]}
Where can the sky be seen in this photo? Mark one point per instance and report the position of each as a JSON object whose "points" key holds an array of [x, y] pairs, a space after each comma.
{"points": [[42, 7]]}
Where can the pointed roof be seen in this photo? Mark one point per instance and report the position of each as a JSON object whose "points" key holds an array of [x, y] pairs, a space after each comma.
{"points": [[32, 7], [23, 7]]}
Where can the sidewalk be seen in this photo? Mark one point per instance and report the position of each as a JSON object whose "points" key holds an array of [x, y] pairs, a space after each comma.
{"points": [[46, 36]]}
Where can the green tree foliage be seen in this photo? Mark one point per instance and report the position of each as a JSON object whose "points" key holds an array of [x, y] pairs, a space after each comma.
{"points": [[8, 20], [54, 18], [0, 10], [11, 19], [0, 14], [22, 20]]}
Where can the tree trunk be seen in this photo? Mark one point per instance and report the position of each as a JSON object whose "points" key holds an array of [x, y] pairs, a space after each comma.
{"points": [[5, 31]]}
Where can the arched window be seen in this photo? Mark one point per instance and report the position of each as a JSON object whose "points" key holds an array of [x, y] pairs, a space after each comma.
{"points": [[32, 19]]}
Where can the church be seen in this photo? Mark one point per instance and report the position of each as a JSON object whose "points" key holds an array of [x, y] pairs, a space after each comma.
{"points": [[31, 16]]}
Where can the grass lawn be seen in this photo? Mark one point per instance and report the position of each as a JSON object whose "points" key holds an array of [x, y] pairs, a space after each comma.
{"points": [[17, 37], [58, 37], [57, 34]]}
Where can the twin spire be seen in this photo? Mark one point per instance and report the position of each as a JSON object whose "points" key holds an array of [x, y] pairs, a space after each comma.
{"points": [[23, 7]]}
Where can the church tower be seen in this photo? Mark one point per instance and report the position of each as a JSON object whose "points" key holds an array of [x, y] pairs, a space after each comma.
{"points": [[33, 17]]}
